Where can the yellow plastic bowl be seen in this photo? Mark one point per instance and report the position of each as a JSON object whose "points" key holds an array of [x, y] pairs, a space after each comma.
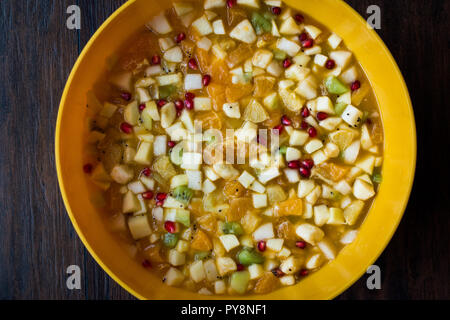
{"points": [[351, 263]]}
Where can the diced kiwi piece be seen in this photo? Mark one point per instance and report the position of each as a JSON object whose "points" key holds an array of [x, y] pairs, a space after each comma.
{"points": [[232, 228], [176, 153], [167, 91], [377, 178], [170, 240], [248, 256], [202, 255], [339, 108], [239, 281], [279, 55], [183, 217], [260, 23], [183, 194], [283, 149], [334, 86]]}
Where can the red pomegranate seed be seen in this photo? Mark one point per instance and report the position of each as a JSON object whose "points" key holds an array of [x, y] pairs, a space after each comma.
{"points": [[277, 272], [287, 63], [305, 112], [312, 132], [156, 59], [146, 264], [159, 203], [192, 64], [307, 163], [146, 172], [302, 37], [161, 102], [179, 105], [231, 3], [279, 128], [87, 168], [126, 96], [304, 125], [141, 107], [180, 37], [206, 80], [300, 244], [356, 85], [299, 18], [189, 104], [147, 195], [189, 95], [304, 272], [171, 144], [308, 43], [286, 121], [330, 64], [126, 127], [276, 11], [321, 116], [161, 196], [305, 172], [240, 267], [294, 164], [170, 226], [262, 246]]}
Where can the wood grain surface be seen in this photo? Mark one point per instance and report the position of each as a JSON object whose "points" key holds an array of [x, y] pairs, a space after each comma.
{"points": [[37, 240]]}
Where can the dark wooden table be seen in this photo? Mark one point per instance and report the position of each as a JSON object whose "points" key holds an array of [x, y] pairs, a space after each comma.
{"points": [[37, 240]]}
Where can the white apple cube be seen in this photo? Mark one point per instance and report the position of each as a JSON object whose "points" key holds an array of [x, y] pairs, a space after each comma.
{"points": [[232, 110], [203, 26], [290, 47], [194, 179], [334, 41], [363, 190], [313, 31], [320, 60], [256, 271], [208, 186], [174, 277], [173, 55], [204, 43], [196, 271], [244, 32], [202, 104], [342, 58], [292, 175], [262, 58], [351, 152], [331, 150], [178, 180], [327, 248], [211, 174], [176, 258], [296, 72], [314, 261], [343, 187], [298, 138], [321, 215], [264, 232], [246, 179], [259, 200], [229, 241], [193, 82], [314, 195], [290, 265], [307, 90], [310, 233], [268, 174], [225, 265], [275, 244], [218, 27], [305, 187], [349, 237], [168, 114], [257, 187], [211, 4], [289, 27], [160, 24], [352, 115]]}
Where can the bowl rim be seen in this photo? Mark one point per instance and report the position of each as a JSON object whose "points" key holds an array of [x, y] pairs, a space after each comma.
{"points": [[111, 273]]}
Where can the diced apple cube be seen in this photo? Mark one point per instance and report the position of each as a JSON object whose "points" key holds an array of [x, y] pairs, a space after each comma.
{"points": [[363, 190], [194, 179], [108, 110], [229, 241], [218, 27], [301, 59], [193, 82], [305, 187], [196, 271], [220, 287], [292, 154], [203, 26], [122, 174], [182, 8], [351, 152], [268, 174], [256, 271], [210, 4], [139, 227], [321, 215], [352, 212], [330, 123], [274, 68], [211, 174], [160, 24], [136, 187], [176, 258], [204, 43], [165, 44], [178, 180], [310, 233], [232, 110], [290, 265], [287, 280], [319, 157], [313, 50], [313, 31], [191, 160], [350, 75], [174, 277], [210, 270], [152, 110], [168, 114], [225, 170], [259, 200], [257, 187], [131, 113], [182, 246], [336, 216], [246, 179], [244, 32], [160, 145], [298, 138], [275, 32], [290, 47], [313, 145], [314, 195], [366, 163], [289, 27], [343, 187], [264, 232], [148, 182], [130, 203], [249, 3], [292, 175], [352, 115], [342, 58], [314, 261], [334, 41], [262, 58], [331, 150], [349, 237], [173, 203], [220, 53], [225, 265], [320, 60], [275, 244], [307, 90], [327, 248], [173, 78], [144, 153], [296, 72], [202, 104]]}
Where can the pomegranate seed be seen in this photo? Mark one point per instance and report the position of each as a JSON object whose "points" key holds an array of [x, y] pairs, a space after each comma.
{"points": [[126, 127], [287, 63], [302, 37], [147, 195], [159, 203], [276, 11], [180, 37], [300, 244], [279, 128], [161, 102], [330, 64], [277, 272], [87, 168], [141, 107], [179, 105], [161, 196], [304, 125], [294, 164], [262, 246], [305, 172], [171, 144], [189, 95], [321, 116], [170, 226], [304, 272], [231, 3], [189, 104], [156, 59], [146, 264], [307, 163], [305, 112], [299, 18], [240, 267], [192, 64], [146, 172], [308, 43], [126, 96], [312, 132], [206, 80], [356, 85], [286, 121]]}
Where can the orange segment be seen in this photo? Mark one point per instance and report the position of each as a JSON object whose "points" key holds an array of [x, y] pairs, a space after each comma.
{"points": [[201, 241], [238, 208], [216, 92], [233, 189], [209, 119], [290, 207], [235, 92], [332, 171]]}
